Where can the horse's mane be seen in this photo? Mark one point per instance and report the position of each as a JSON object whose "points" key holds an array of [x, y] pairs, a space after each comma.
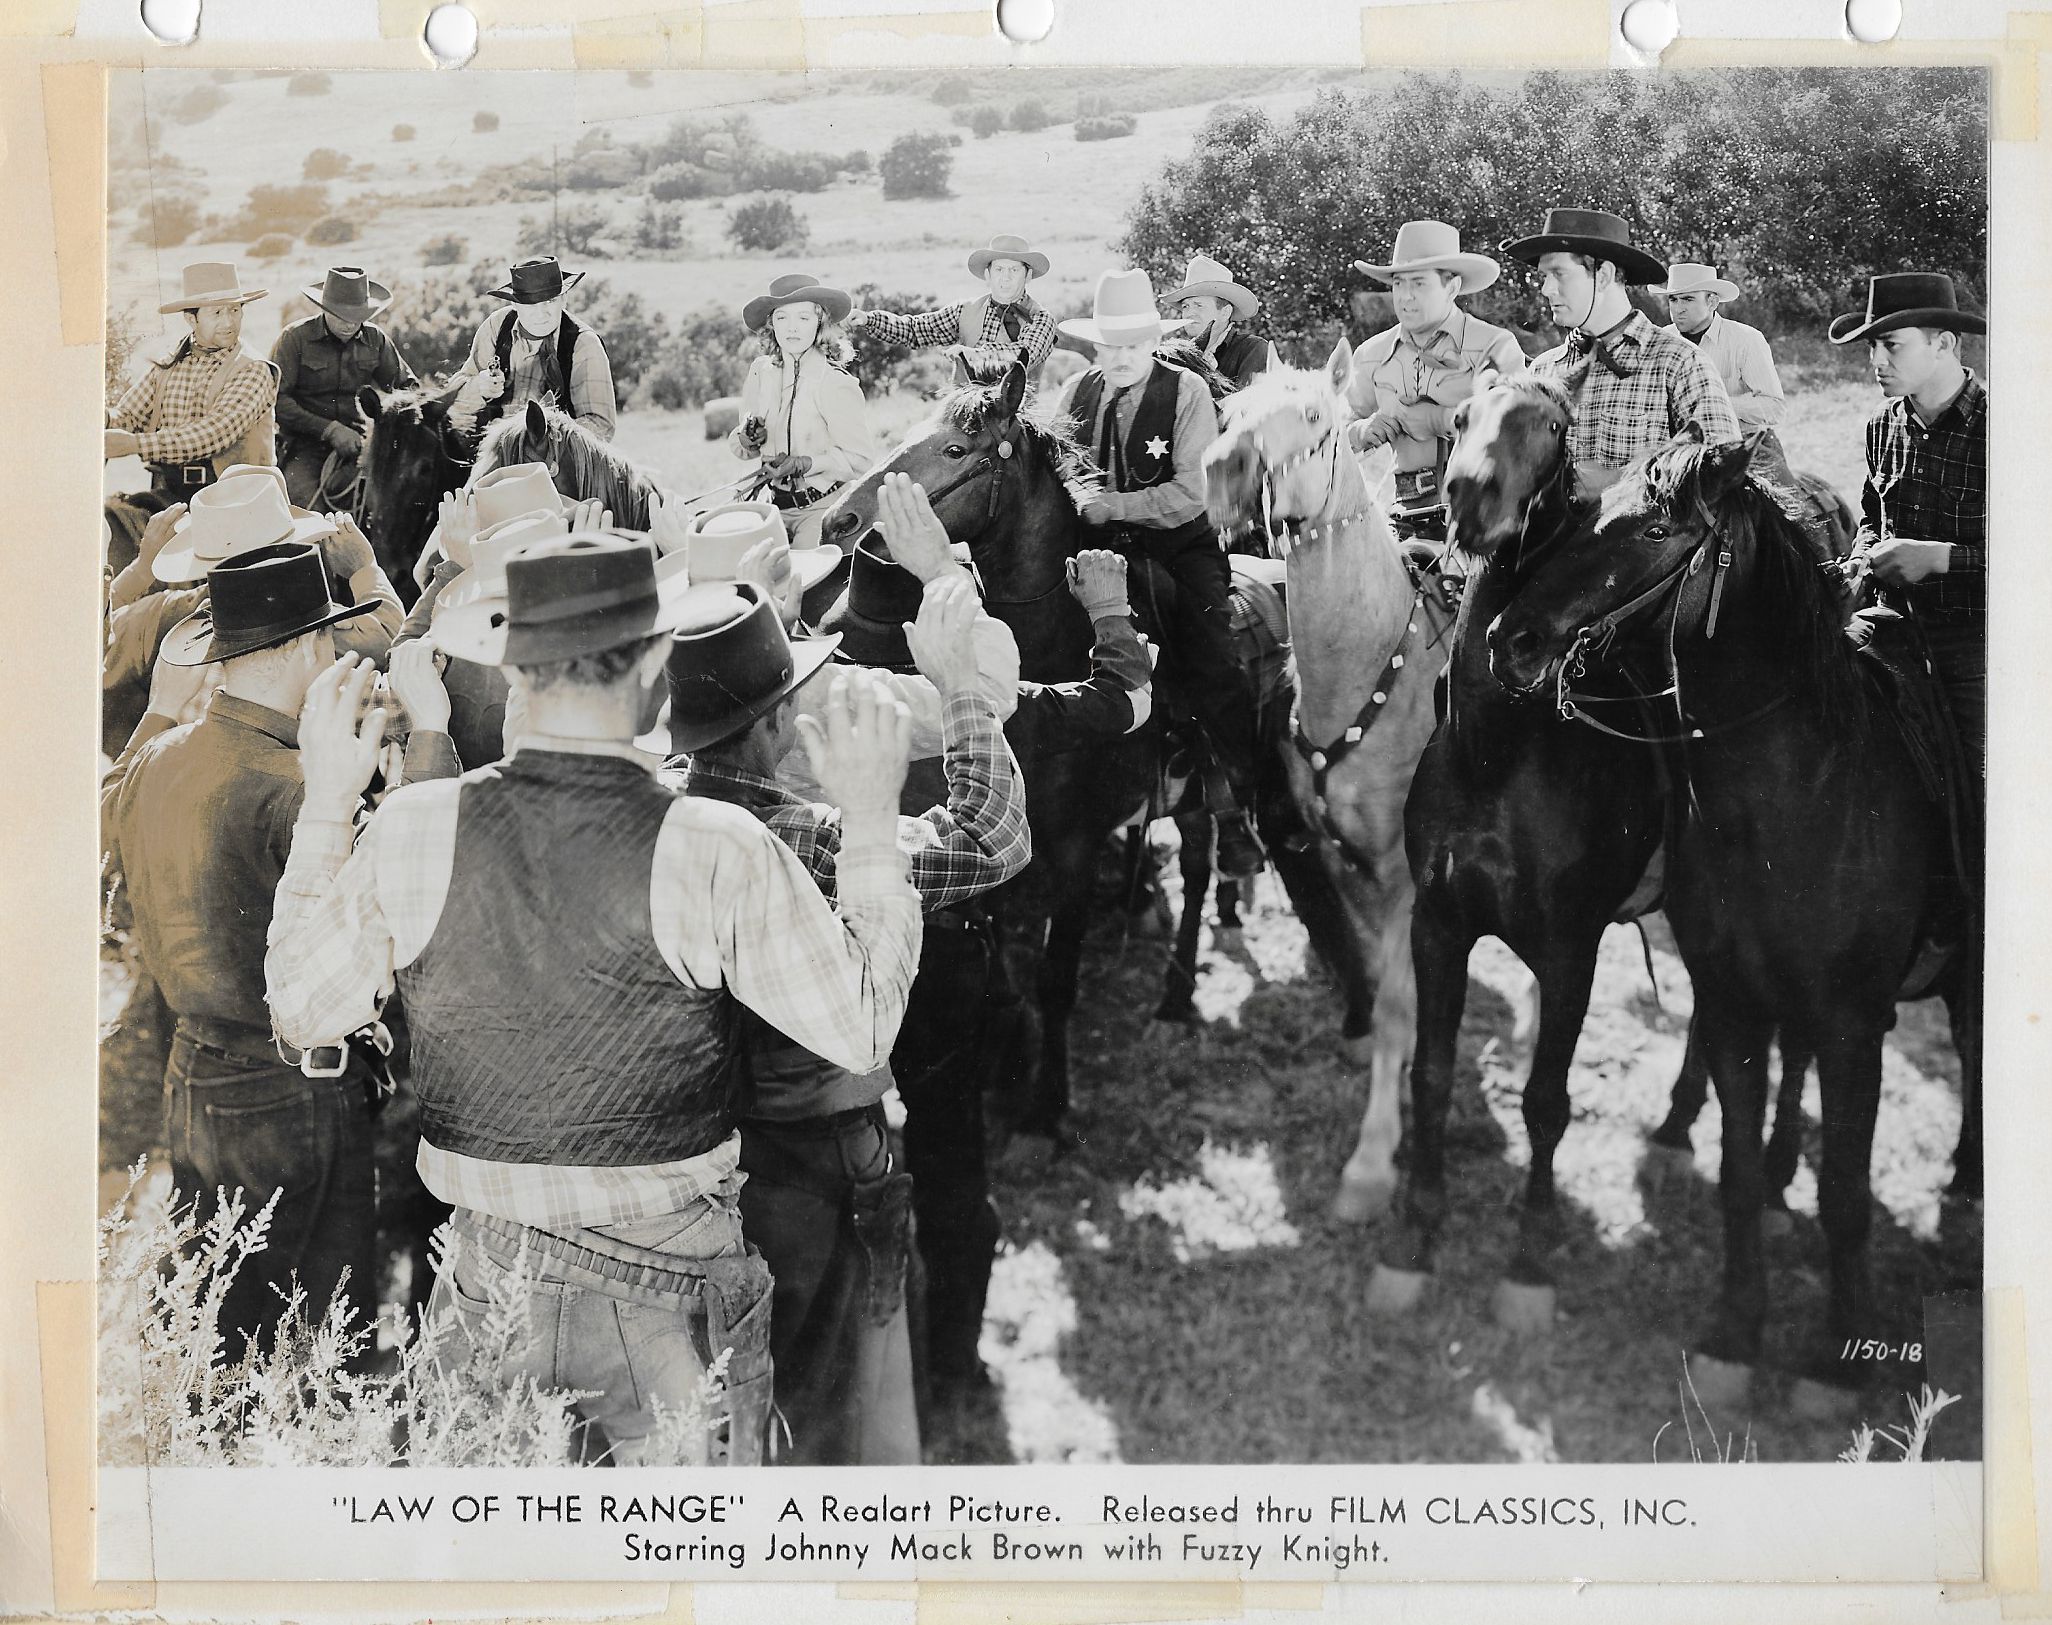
{"points": [[585, 464], [410, 405], [1045, 429]]}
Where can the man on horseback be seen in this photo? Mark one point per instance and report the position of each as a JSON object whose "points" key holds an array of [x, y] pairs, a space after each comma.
{"points": [[994, 324], [207, 404], [1212, 306], [1744, 363], [535, 350], [1409, 378], [1637, 385], [322, 362], [1148, 424]]}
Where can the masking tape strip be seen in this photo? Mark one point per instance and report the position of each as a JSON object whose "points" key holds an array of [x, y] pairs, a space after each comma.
{"points": [[2011, 1500], [75, 126], [1488, 34], [39, 19]]}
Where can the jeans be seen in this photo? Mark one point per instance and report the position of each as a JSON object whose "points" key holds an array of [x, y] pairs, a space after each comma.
{"points": [[1199, 658], [1959, 657], [231, 1122], [304, 460], [632, 1316]]}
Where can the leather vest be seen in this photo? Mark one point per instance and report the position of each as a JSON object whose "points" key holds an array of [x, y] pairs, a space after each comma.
{"points": [[547, 1027], [258, 447], [557, 358], [1154, 420]]}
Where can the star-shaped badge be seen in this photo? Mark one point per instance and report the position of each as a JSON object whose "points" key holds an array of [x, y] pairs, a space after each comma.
{"points": [[1157, 447]]}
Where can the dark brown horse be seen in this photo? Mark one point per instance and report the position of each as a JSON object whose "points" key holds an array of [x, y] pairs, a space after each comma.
{"points": [[415, 450], [1805, 863]]}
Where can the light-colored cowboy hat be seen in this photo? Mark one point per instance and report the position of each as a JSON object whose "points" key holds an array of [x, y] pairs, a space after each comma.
{"points": [[1006, 247], [566, 596], [491, 548], [793, 288], [717, 538], [1123, 313], [1208, 278], [348, 294], [1687, 277], [1594, 232], [1433, 245], [243, 510], [211, 282], [518, 488], [1907, 299]]}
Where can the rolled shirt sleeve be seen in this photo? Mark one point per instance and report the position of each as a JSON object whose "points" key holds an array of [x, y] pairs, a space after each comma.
{"points": [[919, 327], [1756, 397], [132, 411]]}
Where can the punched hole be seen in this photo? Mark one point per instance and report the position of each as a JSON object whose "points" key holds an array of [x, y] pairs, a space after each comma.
{"points": [[1650, 26], [1873, 22], [450, 35], [173, 22], [1025, 22]]}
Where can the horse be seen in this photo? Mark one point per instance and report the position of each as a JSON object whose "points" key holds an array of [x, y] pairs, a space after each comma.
{"points": [[417, 447], [581, 464], [1362, 634], [1806, 861]]}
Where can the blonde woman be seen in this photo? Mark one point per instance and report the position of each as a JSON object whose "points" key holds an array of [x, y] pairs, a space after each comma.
{"points": [[802, 412]]}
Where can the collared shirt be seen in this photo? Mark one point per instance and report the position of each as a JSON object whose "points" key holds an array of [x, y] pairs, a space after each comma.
{"points": [[810, 407], [1667, 385], [1180, 498], [1745, 364], [729, 906], [592, 401], [319, 374], [1391, 369], [166, 408], [1929, 482], [944, 326]]}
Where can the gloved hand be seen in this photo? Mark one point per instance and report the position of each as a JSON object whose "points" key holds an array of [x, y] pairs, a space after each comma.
{"points": [[1097, 578]]}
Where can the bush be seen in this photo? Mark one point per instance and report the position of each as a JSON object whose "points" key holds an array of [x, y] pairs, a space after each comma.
{"points": [[858, 162], [635, 336], [124, 337], [953, 140], [309, 84], [1095, 104], [197, 105], [765, 225], [576, 228], [277, 208], [684, 180], [772, 169], [659, 228], [483, 122], [878, 362], [916, 165], [433, 318], [167, 220], [445, 250], [986, 121], [1031, 114], [603, 169], [1106, 128], [708, 358], [707, 143], [402, 132], [331, 229], [952, 91], [325, 164], [274, 246]]}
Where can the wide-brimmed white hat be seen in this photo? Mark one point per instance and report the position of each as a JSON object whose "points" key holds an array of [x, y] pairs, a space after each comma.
{"points": [[1433, 245], [489, 550], [566, 596], [518, 488], [717, 539], [243, 510], [1686, 277], [1123, 313], [1004, 246], [210, 282], [1206, 277]]}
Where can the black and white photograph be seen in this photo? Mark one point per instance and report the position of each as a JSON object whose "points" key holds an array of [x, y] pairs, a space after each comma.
{"points": [[1201, 765]]}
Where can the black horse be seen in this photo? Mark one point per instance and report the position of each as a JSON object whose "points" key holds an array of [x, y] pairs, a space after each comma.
{"points": [[415, 450]]}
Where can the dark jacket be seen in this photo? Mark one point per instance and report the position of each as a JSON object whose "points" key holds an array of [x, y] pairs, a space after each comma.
{"points": [[319, 375]]}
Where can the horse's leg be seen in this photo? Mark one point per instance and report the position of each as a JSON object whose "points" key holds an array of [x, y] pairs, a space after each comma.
{"points": [[1849, 1079], [1195, 862], [1785, 1141], [1963, 1011], [1684, 1101], [1228, 903], [1060, 961], [1735, 1050], [1368, 1182], [1316, 882]]}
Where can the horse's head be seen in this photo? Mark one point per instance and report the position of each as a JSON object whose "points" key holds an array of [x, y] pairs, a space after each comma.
{"points": [[1510, 444], [415, 448], [1281, 453], [1617, 574], [580, 464], [532, 435]]}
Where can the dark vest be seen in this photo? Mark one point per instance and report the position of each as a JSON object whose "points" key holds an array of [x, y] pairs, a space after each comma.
{"points": [[546, 1026], [556, 359], [1154, 419], [1241, 355]]}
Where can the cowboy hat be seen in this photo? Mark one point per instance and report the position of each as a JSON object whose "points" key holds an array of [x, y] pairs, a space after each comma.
{"points": [[258, 601], [1122, 314], [1433, 245], [1686, 277], [243, 510], [211, 282], [536, 281], [348, 294], [718, 538], [566, 596], [490, 548], [1594, 232], [1907, 299], [793, 288], [871, 612], [1206, 277], [1006, 247], [517, 488], [730, 661]]}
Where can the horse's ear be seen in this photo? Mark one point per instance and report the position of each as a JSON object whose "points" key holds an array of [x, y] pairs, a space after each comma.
{"points": [[537, 424], [369, 401], [1339, 366], [1012, 391], [1725, 465], [962, 373]]}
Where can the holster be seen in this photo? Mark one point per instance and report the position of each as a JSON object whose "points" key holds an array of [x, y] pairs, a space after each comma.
{"points": [[737, 1318], [880, 1213]]}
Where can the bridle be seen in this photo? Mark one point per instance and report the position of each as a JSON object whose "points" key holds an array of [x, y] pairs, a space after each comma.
{"points": [[995, 463]]}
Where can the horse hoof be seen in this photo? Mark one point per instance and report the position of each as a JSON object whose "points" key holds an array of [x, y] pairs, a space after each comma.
{"points": [[1522, 1308], [1776, 1223], [1362, 1201], [1720, 1385], [1826, 1402], [1395, 1291], [1357, 1051]]}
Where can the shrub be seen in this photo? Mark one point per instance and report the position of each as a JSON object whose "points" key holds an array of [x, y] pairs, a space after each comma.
{"points": [[124, 337], [772, 169], [273, 246], [659, 227], [986, 121], [858, 162], [309, 84], [1095, 104], [917, 164], [445, 250], [1107, 128], [634, 335], [952, 91], [483, 122], [1031, 114], [683, 180], [402, 132], [954, 140], [765, 225], [433, 318], [708, 358], [603, 169], [576, 228], [330, 229], [197, 105], [878, 362], [167, 220], [325, 164], [709, 144]]}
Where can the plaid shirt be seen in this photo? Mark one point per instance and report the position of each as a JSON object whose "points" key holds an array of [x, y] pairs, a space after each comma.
{"points": [[1667, 385], [1929, 482], [977, 841], [729, 906], [166, 407], [1036, 331]]}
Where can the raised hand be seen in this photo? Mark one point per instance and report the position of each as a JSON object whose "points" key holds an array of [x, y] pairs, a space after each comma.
{"points": [[917, 538], [458, 523], [590, 514], [416, 685], [858, 747], [768, 565], [158, 532], [941, 641], [346, 549], [337, 753], [181, 692], [669, 523], [1097, 579]]}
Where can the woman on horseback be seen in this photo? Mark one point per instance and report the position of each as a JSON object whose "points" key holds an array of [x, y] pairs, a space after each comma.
{"points": [[802, 412]]}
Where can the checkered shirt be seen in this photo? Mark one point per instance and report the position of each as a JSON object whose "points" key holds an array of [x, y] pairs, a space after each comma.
{"points": [[1036, 332], [1929, 481], [166, 407], [1667, 385]]}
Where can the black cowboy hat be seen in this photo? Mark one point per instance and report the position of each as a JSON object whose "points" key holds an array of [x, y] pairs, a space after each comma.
{"points": [[1907, 299], [535, 281], [870, 616], [1593, 232], [730, 661], [567, 596], [266, 597], [349, 294]]}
